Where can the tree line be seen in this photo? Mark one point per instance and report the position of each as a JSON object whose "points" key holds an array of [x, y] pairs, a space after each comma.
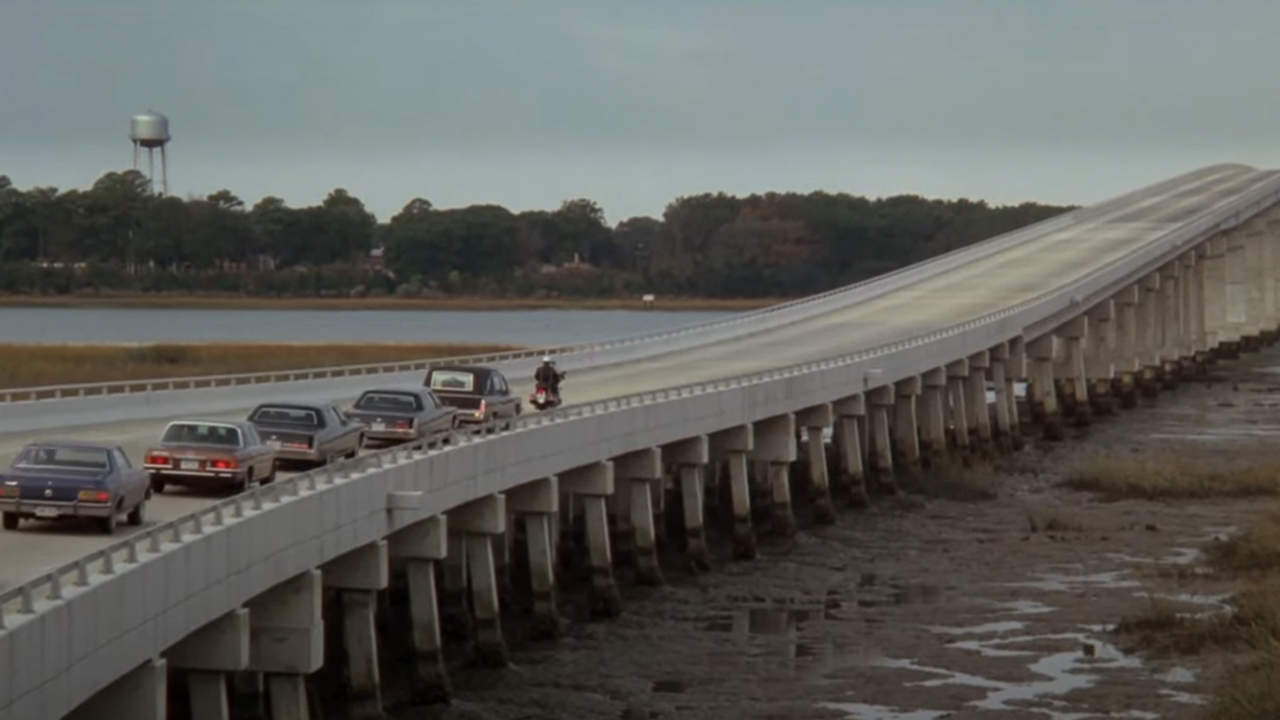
{"points": [[119, 235]]}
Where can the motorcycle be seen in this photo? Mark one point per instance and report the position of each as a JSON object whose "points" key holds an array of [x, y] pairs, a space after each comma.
{"points": [[542, 397]]}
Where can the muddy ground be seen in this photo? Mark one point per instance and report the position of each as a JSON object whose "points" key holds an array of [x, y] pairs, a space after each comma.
{"points": [[918, 608]]}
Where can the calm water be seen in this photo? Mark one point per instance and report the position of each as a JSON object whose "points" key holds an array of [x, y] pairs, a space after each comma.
{"points": [[517, 327]]}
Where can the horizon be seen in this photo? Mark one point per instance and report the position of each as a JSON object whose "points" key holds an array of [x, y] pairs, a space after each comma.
{"points": [[633, 106]]}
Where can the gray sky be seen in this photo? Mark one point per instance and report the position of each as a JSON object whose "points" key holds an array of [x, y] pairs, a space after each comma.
{"points": [[632, 104]]}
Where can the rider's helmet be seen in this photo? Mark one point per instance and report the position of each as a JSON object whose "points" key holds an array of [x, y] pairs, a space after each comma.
{"points": [[546, 359]]}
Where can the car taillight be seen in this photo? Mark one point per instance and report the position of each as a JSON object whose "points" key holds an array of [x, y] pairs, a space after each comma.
{"points": [[99, 496], [158, 460], [403, 424], [9, 491], [223, 464], [483, 406]]}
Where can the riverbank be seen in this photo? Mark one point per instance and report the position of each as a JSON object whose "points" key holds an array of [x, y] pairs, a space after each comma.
{"points": [[248, 302], [1132, 568], [23, 366]]}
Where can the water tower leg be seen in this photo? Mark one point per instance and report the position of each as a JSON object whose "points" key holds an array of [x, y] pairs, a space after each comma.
{"points": [[151, 164], [164, 171]]}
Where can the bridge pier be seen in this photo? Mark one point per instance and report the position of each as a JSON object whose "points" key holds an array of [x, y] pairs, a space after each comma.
{"points": [[286, 642], [733, 446], [689, 457], [1254, 240], [1235, 276], [593, 484], [537, 504], [1171, 282], [140, 694], [1215, 295], [358, 576], [976, 403], [1271, 254], [455, 613], [1151, 314], [1099, 349], [961, 414], [210, 655], [775, 444], [816, 420], [905, 440], [622, 532], [1006, 410], [1044, 396], [851, 413], [1125, 384], [881, 400], [1015, 369], [1075, 387], [478, 521], [642, 478], [1197, 348], [933, 416], [421, 546]]}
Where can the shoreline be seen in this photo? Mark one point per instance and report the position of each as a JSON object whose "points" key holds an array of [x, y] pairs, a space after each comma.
{"points": [[491, 304]]}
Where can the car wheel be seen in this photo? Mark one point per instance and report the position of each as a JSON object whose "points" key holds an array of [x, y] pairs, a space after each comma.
{"points": [[157, 485], [270, 478], [108, 523], [138, 514], [11, 521]]}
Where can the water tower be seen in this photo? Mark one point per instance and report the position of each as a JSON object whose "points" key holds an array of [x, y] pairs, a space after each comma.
{"points": [[151, 130]]}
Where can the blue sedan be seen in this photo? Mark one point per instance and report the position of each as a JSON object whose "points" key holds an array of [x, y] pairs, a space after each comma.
{"points": [[55, 481]]}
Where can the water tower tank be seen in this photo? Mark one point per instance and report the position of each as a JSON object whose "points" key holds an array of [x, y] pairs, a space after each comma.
{"points": [[149, 130]]}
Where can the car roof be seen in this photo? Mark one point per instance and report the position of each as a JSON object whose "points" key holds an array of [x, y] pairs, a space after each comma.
{"points": [[465, 368], [238, 424], [292, 405], [400, 391], [78, 445]]}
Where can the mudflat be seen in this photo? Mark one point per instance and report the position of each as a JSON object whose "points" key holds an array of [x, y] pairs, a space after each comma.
{"points": [[1004, 604]]}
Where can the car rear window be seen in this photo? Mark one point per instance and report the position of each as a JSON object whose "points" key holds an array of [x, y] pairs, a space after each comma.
{"points": [[395, 402], [453, 380], [202, 434], [65, 457], [305, 417]]}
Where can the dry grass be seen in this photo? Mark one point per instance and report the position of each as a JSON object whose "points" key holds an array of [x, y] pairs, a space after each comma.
{"points": [[950, 480], [1253, 552], [1115, 480], [1052, 522], [248, 302], [35, 365]]}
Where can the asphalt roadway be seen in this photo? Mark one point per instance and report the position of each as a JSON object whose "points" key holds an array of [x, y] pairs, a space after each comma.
{"points": [[1019, 273]]}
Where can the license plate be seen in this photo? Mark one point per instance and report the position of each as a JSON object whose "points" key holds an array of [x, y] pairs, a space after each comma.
{"points": [[274, 444], [46, 512], [379, 426], [189, 465]]}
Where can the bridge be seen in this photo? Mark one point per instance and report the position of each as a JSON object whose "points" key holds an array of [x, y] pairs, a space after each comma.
{"points": [[1090, 309]]}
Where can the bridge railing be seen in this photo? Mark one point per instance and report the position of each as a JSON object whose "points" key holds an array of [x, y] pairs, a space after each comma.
{"points": [[26, 599]]}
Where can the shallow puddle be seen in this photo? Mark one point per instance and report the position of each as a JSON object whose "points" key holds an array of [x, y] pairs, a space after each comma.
{"points": [[1069, 583]]}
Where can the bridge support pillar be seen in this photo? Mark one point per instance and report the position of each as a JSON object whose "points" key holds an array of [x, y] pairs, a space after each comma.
{"points": [[1099, 349], [1196, 311], [593, 484], [1125, 384], [690, 458], [421, 546], [881, 400], [733, 446], [537, 503], [1235, 276], [976, 402], [775, 443], [209, 655], [358, 576], [455, 614], [641, 473], [1215, 294], [815, 421], [286, 641], [1170, 329], [851, 412], [478, 521], [1255, 239], [1015, 368], [1044, 395], [958, 401], [933, 416], [1074, 387], [1150, 324], [1271, 322], [141, 694], [1006, 411], [906, 428]]}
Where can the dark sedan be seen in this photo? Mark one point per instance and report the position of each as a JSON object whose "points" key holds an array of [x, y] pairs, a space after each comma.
{"points": [[307, 432], [402, 415], [56, 481], [480, 394]]}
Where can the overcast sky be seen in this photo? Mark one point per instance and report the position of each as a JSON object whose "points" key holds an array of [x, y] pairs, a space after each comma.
{"points": [[529, 103]]}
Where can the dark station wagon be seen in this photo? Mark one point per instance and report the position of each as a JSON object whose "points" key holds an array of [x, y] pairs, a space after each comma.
{"points": [[480, 394], [57, 481]]}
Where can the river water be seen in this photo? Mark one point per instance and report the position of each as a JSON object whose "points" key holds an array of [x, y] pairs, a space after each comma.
{"points": [[516, 327]]}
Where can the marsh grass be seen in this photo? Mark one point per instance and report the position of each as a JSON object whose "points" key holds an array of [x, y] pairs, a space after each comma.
{"points": [[1115, 480], [24, 366], [947, 479], [250, 302]]}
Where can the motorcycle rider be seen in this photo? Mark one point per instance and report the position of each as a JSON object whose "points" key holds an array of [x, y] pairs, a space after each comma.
{"points": [[547, 375]]}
